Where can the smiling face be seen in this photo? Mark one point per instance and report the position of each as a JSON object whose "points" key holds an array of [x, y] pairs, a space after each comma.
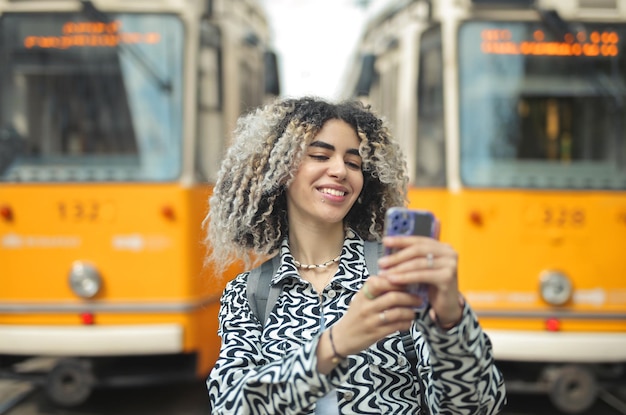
{"points": [[329, 179]]}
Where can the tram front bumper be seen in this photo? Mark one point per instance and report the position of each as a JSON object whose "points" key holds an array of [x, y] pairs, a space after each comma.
{"points": [[532, 346], [91, 340]]}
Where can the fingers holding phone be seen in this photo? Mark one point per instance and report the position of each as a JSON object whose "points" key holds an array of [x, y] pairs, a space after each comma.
{"points": [[413, 255]]}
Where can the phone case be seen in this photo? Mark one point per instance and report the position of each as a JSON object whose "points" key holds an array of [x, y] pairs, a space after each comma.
{"points": [[405, 221]]}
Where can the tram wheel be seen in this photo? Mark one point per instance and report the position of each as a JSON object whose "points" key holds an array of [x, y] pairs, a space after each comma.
{"points": [[574, 389], [70, 382]]}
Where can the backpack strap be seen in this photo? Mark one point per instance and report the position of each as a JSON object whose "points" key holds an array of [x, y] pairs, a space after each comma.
{"points": [[261, 294]]}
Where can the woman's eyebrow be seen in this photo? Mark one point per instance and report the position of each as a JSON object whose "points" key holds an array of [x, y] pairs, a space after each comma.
{"points": [[322, 144]]}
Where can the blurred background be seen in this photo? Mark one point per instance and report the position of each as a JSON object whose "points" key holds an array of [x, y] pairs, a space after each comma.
{"points": [[315, 41], [115, 114]]}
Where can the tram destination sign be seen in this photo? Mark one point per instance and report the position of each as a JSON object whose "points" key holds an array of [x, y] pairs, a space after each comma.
{"points": [[89, 34], [594, 44]]}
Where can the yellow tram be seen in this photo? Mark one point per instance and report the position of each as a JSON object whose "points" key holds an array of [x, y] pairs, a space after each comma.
{"points": [[113, 117], [512, 113]]}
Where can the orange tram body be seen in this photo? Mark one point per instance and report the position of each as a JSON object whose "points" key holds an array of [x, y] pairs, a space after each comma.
{"points": [[512, 115], [113, 117]]}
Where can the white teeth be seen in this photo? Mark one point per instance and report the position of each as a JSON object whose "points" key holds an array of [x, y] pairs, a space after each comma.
{"points": [[333, 192]]}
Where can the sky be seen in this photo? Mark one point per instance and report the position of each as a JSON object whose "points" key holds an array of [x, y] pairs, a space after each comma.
{"points": [[314, 40]]}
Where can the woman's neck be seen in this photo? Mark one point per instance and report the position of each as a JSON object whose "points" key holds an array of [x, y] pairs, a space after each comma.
{"points": [[316, 246]]}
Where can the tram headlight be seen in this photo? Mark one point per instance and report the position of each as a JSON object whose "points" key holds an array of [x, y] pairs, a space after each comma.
{"points": [[555, 287], [85, 280]]}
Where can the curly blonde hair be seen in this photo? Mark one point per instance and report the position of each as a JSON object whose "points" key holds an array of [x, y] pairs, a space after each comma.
{"points": [[247, 215]]}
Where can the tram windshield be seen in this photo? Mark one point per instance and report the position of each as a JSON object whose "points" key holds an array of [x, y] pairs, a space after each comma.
{"points": [[542, 105], [86, 98]]}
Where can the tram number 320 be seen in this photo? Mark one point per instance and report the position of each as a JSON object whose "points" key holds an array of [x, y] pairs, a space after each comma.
{"points": [[563, 217]]}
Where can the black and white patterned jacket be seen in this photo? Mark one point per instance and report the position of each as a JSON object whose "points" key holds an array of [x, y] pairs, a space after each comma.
{"points": [[272, 370]]}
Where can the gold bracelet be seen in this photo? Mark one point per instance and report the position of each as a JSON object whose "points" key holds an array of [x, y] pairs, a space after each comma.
{"points": [[336, 356]]}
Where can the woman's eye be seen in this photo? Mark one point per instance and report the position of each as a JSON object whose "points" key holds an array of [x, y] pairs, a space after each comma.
{"points": [[318, 157], [353, 163]]}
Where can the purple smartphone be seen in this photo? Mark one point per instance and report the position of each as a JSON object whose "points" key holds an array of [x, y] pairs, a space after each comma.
{"points": [[404, 221]]}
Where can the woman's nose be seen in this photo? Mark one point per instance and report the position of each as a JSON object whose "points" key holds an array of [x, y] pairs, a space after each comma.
{"points": [[337, 168]]}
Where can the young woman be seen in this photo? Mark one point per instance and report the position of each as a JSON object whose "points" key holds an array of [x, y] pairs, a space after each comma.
{"points": [[310, 181]]}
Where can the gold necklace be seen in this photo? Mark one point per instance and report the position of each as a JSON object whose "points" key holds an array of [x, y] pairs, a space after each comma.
{"points": [[314, 279], [316, 266]]}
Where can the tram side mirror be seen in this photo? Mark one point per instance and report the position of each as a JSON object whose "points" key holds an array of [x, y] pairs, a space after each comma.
{"points": [[366, 77], [272, 81]]}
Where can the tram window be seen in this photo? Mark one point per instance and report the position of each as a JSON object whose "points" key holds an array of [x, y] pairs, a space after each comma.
{"points": [[90, 101], [540, 109], [385, 86], [430, 149], [210, 143], [251, 83], [382, 91]]}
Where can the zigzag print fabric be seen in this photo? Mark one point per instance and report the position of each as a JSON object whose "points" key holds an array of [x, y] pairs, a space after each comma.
{"points": [[272, 370]]}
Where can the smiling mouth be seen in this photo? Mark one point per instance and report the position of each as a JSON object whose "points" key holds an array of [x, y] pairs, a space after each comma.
{"points": [[333, 192]]}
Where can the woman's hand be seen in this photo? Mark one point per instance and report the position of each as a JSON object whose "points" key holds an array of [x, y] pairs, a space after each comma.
{"points": [[377, 310], [383, 306], [423, 260]]}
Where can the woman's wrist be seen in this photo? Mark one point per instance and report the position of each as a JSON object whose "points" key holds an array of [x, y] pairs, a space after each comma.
{"points": [[452, 322], [337, 357], [328, 356]]}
